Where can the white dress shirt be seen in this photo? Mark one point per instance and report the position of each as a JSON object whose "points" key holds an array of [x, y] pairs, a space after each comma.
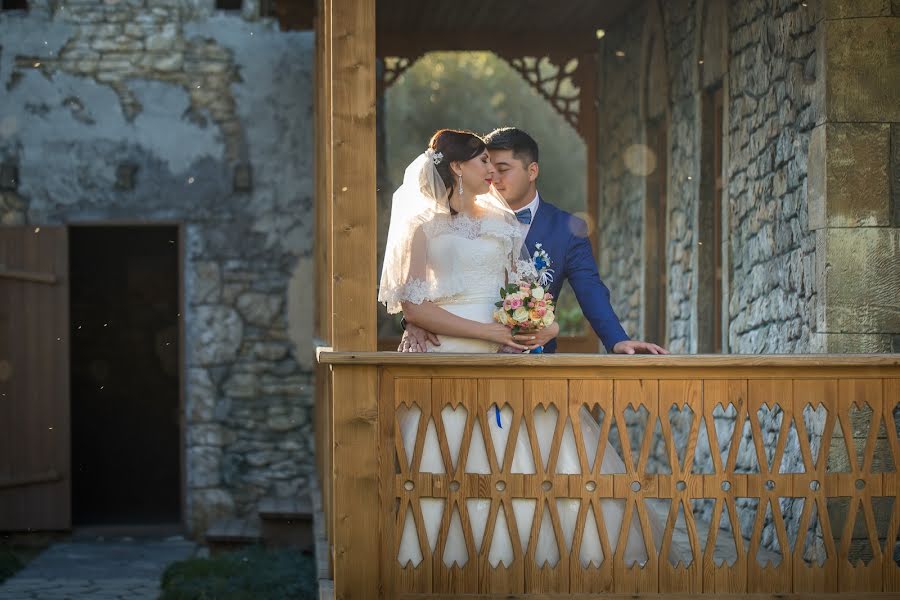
{"points": [[533, 207]]}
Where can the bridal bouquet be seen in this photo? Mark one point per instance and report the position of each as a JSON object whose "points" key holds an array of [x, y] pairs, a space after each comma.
{"points": [[526, 305]]}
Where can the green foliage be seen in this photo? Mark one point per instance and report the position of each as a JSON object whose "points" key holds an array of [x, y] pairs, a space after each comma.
{"points": [[9, 564], [252, 574], [480, 92]]}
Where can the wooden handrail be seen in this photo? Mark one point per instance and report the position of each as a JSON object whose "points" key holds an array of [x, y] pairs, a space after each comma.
{"points": [[447, 359], [29, 276], [795, 406]]}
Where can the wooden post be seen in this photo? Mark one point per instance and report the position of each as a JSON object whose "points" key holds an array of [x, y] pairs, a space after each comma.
{"points": [[358, 520], [324, 172], [351, 173]]}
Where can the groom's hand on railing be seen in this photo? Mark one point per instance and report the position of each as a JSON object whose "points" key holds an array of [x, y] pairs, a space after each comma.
{"points": [[638, 347], [415, 339]]}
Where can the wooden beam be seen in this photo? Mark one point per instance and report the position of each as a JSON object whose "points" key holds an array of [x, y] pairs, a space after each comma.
{"points": [[609, 361], [29, 276], [524, 43], [50, 476], [353, 166]]}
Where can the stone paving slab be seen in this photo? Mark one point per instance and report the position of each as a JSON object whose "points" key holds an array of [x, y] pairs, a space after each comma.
{"points": [[102, 570]]}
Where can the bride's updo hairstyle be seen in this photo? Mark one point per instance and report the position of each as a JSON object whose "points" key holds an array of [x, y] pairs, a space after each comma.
{"points": [[456, 146]]}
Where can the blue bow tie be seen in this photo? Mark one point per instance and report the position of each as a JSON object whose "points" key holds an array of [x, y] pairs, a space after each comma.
{"points": [[524, 216]]}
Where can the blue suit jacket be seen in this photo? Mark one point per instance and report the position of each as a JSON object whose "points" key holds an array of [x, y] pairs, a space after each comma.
{"points": [[564, 237]]}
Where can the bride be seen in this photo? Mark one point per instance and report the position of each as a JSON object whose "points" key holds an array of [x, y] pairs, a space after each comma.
{"points": [[451, 245]]}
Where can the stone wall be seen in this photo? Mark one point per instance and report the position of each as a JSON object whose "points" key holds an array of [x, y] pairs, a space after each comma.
{"points": [[680, 31], [796, 185], [621, 186], [771, 79], [772, 82], [854, 174], [168, 111]]}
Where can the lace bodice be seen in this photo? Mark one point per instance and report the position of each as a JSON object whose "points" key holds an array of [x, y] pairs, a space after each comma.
{"points": [[467, 261], [470, 259]]}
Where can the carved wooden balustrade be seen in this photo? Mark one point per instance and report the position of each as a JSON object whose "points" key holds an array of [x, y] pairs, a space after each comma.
{"points": [[741, 475]]}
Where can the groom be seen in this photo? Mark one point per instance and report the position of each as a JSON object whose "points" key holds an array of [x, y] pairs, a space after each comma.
{"points": [[563, 236]]}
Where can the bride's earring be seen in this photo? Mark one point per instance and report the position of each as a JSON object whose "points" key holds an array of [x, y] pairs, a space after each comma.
{"points": [[460, 186]]}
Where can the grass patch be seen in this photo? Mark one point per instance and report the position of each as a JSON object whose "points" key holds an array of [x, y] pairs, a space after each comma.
{"points": [[250, 574], [17, 550], [10, 563]]}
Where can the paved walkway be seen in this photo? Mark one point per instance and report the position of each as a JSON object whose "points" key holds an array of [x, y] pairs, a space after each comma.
{"points": [[103, 570]]}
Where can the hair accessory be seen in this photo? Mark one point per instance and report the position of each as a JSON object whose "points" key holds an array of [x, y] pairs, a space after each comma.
{"points": [[436, 157]]}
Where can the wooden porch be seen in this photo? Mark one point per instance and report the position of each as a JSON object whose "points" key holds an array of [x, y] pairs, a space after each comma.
{"points": [[372, 484]]}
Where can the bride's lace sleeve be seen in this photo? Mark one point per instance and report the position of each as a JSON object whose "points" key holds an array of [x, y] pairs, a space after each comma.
{"points": [[404, 277]]}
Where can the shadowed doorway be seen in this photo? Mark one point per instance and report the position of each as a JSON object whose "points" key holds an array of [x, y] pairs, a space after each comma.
{"points": [[126, 452]]}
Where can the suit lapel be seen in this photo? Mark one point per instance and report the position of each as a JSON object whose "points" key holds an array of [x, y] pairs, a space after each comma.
{"points": [[537, 233]]}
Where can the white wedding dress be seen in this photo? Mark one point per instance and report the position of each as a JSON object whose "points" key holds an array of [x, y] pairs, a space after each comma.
{"points": [[477, 252]]}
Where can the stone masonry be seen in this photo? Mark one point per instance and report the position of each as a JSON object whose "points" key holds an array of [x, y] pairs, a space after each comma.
{"points": [[771, 81], [776, 54], [170, 111]]}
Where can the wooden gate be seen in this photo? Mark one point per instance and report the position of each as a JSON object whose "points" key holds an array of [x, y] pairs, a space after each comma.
{"points": [[35, 481]]}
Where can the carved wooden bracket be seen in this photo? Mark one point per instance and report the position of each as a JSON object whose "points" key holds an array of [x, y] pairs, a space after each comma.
{"points": [[557, 79], [394, 67], [554, 81]]}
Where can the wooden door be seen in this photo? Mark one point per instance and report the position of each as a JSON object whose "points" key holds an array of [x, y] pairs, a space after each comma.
{"points": [[35, 482]]}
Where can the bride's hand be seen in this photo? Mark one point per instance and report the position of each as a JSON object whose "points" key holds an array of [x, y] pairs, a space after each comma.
{"points": [[501, 334], [538, 337]]}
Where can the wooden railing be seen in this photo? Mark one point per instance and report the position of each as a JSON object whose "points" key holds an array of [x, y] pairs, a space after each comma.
{"points": [[741, 475]]}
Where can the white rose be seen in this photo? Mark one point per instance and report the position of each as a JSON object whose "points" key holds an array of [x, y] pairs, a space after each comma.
{"points": [[520, 315], [501, 317], [537, 293], [548, 318]]}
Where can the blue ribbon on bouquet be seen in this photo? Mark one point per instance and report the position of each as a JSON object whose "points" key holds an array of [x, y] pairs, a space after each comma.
{"points": [[538, 350]]}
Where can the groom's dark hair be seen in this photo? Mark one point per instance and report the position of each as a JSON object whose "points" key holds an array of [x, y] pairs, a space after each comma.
{"points": [[523, 146]]}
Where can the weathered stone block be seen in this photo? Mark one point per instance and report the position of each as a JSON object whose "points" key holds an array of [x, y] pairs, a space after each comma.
{"points": [[126, 175], [12, 209], [849, 182], [201, 401], [9, 177], [854, 343], [241, 385], [863, 73], [164, 40], [206, 283], [259, 309], [172, 62], [204, 466], [209, 505], [895, 172], [218, 332], [300, 308], [849, 9], [858, 271]]}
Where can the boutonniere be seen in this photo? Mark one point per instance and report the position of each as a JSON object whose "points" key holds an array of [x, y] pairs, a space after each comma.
{"points": [[542, 265]]}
